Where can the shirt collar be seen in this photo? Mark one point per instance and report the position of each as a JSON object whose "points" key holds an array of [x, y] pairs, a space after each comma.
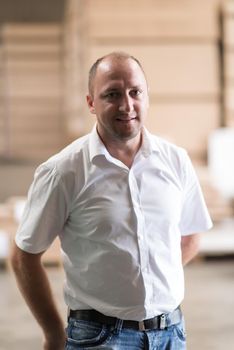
{"points": [[149, 143], [97, 148]]}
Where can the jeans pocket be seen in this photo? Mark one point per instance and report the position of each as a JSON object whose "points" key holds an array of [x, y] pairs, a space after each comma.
{"points": [[82, 334], [179, 330]]}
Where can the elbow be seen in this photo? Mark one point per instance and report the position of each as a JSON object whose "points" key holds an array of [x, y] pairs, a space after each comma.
{"points": [[195, 244], [15, 260], [190, 246], [21, 260], [191, 243]]}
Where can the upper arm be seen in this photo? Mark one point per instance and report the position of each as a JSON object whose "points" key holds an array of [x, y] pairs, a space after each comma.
{"points": [[20, 257], [45, 213], [194, 212]]}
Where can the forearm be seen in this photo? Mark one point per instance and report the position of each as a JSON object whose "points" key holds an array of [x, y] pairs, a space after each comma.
{"points": [[189, 247], [35, 288]]}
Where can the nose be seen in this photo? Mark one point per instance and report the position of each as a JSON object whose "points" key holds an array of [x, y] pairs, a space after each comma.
{"points": [[126, 104]]}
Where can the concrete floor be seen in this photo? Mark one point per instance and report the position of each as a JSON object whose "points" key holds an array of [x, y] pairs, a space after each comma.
{"points": [[208, 308]]}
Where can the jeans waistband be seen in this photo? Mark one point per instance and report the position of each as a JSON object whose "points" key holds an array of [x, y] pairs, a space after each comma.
{"points": [[158, 322]]}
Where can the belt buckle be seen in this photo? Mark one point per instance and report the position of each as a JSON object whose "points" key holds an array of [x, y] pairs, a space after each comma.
{"points": [[141, 326]]}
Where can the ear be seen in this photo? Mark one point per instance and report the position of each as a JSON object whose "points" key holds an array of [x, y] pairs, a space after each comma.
{"points": [[90, 103]]}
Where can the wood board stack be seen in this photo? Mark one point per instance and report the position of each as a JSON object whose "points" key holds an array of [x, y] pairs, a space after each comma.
{"points": [[75, 44], [228, 52], [3, 144], [33, 89]]}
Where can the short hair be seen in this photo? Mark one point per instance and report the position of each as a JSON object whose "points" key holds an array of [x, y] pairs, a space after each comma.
{"points": [[117, 55]]}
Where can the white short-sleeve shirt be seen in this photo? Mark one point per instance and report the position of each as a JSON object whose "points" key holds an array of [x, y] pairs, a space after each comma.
{"points": [[120, 228]]}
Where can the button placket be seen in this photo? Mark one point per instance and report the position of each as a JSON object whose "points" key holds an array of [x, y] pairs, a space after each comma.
{"points": [[136, 202], [142, 243]]}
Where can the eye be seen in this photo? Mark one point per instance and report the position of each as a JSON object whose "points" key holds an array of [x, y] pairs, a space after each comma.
{"points": [[112, 95], [136, 92]]}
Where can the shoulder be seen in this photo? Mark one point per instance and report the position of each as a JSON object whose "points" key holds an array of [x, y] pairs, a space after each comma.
{"points": [[62, 168], [68, 158], [172, 158], [169, 151]]}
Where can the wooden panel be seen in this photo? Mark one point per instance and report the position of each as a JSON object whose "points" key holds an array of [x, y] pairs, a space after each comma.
{"points": [[152, 18], [41, 102], [228, 7], [32, 48], [2, 144], [228, 10], [33, 66], [187, 125], [41, 125], [229, 65], [160, 8], [2, 131], [34, 89], [229, 118], [229, 32], [13, 31], [173, 69], [2, 121], [34, 81], [35, 107], [33, 56], [229, 107], [229, 98], [42, 90], [39, 122], [33, 137], [38, 153], [2, 109]]}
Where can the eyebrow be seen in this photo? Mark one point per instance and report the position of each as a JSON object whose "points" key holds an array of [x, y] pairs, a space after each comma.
{"points": [[120, 88]]}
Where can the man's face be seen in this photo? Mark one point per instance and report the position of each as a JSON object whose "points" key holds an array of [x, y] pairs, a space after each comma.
{"points": [[119, 99]]}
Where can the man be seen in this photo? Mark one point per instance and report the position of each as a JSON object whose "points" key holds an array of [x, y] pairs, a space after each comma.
{"points": [[127, 207]]}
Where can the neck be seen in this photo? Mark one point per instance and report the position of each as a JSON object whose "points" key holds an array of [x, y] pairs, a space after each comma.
{"points": [[123, 150]]}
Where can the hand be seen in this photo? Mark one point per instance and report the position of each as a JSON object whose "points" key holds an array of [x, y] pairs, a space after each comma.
{"points": [[57, 343]]}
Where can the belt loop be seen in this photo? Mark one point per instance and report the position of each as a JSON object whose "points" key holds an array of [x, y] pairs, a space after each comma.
{"points": [[118, 326], [162, 322], [141, 326], [68, 313]]}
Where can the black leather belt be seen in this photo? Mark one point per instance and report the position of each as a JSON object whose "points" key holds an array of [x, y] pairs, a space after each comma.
{"points": [[158, 322]]}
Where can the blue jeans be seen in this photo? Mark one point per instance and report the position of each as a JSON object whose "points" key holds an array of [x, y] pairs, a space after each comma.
{"points": [[93, 336]]}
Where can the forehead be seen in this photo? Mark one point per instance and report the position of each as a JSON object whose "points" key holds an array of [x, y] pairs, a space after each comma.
{"points": [[117, 71]]}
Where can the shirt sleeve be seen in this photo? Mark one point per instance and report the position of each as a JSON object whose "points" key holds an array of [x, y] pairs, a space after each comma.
{"points": [[45, 212], [194, 215]]}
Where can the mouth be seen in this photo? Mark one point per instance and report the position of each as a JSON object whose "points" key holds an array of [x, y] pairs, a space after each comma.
{"points": [[126, 119]]}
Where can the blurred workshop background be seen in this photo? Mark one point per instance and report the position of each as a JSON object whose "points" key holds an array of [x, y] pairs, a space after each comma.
{"points": [[187, 50]]}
